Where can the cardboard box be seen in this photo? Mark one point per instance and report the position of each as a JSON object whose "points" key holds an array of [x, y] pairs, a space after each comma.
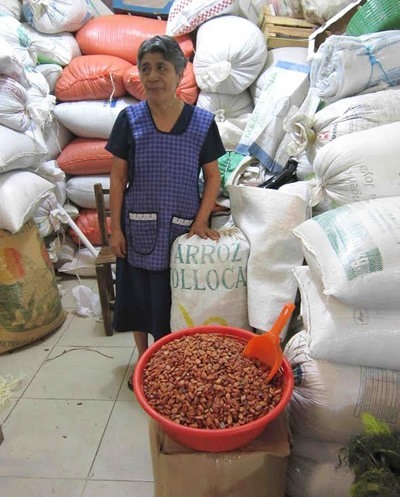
{"points": [[335, 26], [256, 470], [152, 8]]}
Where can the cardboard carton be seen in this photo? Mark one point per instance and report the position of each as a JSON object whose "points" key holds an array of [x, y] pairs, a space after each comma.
{"points": [[256, 470], [336, 25]]}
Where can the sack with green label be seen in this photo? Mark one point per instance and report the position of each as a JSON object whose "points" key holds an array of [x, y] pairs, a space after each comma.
{"points": [[209, 280], [354, 251]]}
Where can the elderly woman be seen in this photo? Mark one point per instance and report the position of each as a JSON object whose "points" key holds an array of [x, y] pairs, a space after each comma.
{"points": [[159, 146]]}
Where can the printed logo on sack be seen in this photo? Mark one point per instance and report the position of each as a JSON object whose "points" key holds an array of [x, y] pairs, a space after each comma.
{"points": [[211, 320]]}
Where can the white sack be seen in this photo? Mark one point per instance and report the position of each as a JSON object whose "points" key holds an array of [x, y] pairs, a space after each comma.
{"points": [[360, 166], [186, 15], [47, 216], [223, 106], [231, 114], [13, 105], [56, 137], [284, 64], [208, 281], [49, 170], [11, 8], [329, 399], [58, 48], [41, 102], [287, 8], [344, 65], [16, 210], [14, 34], [343, 334], [281, 85], [267, 218], [21, 150], [320, 11], [11, 65], [249, 172], [307, 108], [51, 72], [343, 117], [80, 190], [91, 118], [355, 251], [253, 10], [225, 62], [55, 16]]}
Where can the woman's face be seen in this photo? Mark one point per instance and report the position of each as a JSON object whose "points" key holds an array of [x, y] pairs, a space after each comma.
{"points": [[158, 77]]}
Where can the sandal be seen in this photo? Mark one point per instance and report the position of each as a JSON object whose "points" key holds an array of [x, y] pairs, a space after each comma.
{"points": [[130, 384]]}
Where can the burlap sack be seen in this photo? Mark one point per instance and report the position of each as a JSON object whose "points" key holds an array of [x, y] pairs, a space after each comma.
{"points": [[30, 303]]}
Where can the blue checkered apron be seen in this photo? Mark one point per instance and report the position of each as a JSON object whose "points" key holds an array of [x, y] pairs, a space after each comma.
{"points": [[163, 199]]}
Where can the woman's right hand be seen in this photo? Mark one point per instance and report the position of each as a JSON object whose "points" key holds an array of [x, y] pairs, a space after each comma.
{"points": [[118, 244]]}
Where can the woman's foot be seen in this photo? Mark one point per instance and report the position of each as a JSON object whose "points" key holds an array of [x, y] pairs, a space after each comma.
{"points": [[130, 380]]}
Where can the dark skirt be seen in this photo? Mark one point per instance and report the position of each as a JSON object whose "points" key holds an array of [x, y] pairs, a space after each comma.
{"points": [[143, 300]]}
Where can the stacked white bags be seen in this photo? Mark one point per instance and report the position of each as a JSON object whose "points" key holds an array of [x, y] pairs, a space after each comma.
{"points": [[345, 359], [37, 41]]}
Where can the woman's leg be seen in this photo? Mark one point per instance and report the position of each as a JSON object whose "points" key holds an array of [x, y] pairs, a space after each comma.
{"points": [[141, 341]]}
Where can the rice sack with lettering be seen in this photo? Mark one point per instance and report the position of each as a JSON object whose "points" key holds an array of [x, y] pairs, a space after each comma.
{"points": [[354, 250], [359, 166], [209, 280]]}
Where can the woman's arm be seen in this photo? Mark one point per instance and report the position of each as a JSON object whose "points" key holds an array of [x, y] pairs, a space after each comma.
{"points": [[118, 182], [212, 183]]}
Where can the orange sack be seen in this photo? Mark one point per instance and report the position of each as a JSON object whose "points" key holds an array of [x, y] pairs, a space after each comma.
{"points": [[85, 156], [121, 35], [187, 91], [92, 77], [88, 223]]}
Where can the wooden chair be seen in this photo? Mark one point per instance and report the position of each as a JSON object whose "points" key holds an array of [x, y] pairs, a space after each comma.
{"points": [[104, 261]]}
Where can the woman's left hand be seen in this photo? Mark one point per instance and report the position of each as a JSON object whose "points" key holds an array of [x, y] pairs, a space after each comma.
{"points": [[203, 231]]}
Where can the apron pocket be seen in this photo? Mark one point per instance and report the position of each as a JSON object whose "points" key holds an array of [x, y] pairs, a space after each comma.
{"points": [[179, 226], [143, 228]]}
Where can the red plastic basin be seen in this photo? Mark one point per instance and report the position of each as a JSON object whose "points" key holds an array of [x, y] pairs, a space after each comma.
{"points": [[223, 440]]}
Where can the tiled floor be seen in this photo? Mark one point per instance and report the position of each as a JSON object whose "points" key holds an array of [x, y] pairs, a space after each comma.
{"points": [[74, 429]]}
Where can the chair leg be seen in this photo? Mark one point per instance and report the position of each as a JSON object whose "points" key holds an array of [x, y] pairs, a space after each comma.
{"points": [[101, 272], [110, 282]]}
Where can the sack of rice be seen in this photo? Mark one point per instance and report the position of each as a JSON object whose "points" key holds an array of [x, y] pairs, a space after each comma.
{"points": [[209, 280]]}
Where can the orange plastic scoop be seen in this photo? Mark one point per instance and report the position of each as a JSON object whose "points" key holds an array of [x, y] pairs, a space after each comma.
{"points": [[266, 348]]}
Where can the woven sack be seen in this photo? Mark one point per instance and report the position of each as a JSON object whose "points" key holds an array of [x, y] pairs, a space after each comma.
{"points": [[28, 310]]}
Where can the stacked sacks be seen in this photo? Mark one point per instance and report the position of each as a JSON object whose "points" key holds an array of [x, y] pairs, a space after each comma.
{"points": [[282, 83], [31, 59], [345, 358]]}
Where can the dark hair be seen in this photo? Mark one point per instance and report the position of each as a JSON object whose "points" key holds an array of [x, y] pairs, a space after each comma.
{"points": [[168, 47]]}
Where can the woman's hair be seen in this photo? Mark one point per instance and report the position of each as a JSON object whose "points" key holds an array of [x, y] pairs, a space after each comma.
{"points": [[168, 47]]}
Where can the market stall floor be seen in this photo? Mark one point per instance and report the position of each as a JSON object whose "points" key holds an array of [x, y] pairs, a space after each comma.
{"points": [[72, 428]]}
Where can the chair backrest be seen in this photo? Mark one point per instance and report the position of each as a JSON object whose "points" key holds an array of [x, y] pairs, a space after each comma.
{"points": [[103, 212]]}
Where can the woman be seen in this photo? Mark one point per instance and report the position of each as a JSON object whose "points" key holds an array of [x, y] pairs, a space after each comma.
{"points": [[159, 146]]}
